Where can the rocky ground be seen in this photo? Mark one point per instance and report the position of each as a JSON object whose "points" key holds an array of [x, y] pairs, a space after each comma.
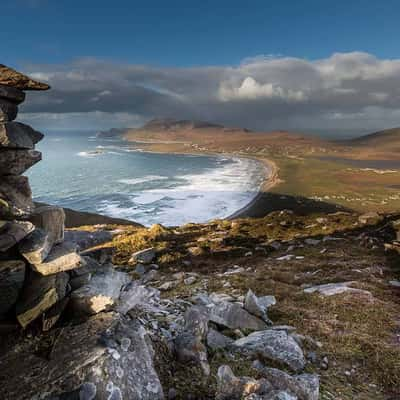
{"points": [[283, 307]]}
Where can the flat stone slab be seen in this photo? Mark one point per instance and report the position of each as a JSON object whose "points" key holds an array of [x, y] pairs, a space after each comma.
{"points": [[15, 197], [233, 316], [16, 162], [17, 135], [100, 293], [36, 246], [15, 79], [331, 289], [14, 95], [13, 232], [39, 294], [276, 346], [105, 358], [12, 276], [62, 257], [52, 220]]}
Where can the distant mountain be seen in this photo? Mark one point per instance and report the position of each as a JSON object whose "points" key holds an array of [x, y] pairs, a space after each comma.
{"points": [[386, 140]]}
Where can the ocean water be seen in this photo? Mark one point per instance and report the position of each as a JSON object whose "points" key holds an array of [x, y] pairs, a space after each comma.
{"points": [[118, 179]]}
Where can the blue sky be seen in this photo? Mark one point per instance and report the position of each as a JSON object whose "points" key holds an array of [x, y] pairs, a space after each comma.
{"points": [[187, 33], [298, 65]]}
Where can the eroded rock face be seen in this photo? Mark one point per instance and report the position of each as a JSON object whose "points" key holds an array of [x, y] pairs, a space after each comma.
{"points": [[275, 346], [12, 275], [16, 162], [104, 358], [39, 294]]}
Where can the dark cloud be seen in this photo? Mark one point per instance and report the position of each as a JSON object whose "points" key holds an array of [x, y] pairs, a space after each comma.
{"points": [[351, 89]]}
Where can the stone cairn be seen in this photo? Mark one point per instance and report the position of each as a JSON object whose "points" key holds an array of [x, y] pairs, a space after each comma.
{"points": [[33, 256]]}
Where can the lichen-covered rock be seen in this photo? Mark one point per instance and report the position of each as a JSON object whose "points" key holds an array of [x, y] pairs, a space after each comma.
{"points": [[15, 79], [12, 276], [16, 162], [15, 197], [39, 294], [303, 386], [102, 292], [16, 135], [276, 346], [233, 316], [62, 257], [258, 306], [52, 220], [13, 232], [104, 358]]}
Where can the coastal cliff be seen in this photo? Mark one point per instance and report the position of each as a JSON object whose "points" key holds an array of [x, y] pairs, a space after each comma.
{"points": [[298, 304]]}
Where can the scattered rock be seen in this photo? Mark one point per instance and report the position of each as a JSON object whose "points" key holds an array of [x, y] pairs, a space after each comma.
{"points": [[331, 289], [233, 316], [190, 280], [276, 346], [258, 306], [216, 340]]}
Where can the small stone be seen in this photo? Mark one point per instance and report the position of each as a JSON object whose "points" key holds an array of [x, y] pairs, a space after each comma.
{"points": [[258, 306], [168, 285], [370, 218], [39, 294], [145, 256], [13, 232], [190, 280], [12, 276], [172, 394], [62, 257], [312, 242], [16, 162]]}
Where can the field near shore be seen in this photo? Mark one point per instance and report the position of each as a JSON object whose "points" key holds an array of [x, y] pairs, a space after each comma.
{"points": [[307, 167]]}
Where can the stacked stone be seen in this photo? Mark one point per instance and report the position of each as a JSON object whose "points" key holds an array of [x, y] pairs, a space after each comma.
{"points": [[33, 256]]}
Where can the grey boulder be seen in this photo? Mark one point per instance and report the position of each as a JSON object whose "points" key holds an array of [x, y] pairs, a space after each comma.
{"points": [[216, 340], [233, 316], [102, 292], [276, 346]]}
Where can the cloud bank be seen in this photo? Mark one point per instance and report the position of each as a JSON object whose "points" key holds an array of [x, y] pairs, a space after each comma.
{"points": [[347, 91]]}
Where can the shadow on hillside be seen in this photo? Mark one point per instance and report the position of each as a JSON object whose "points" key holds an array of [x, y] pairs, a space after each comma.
{"points": [[268, 202]]}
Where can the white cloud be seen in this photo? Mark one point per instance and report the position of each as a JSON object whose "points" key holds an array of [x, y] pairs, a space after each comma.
{"points": [[266, 92]]}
